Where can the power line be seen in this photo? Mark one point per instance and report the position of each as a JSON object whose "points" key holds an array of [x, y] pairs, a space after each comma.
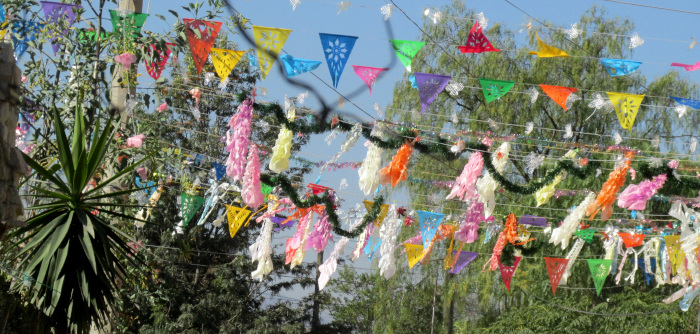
{"points": [[654, 7]]}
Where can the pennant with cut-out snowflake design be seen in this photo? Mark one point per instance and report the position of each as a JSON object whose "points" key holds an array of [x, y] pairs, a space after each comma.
{"points": [[189, 205], [236, 217], [477, 41], [127, 23], [224, 61], [414, 254], [23, 32], [618, 67], [599, 270], [507, 272], [269, 43], [368, 74], [695, 104], [675, 254], [201, 35], [295, 66], [495, 89], [406, 50], [337, 49], [219, 170], [559, 94], [555, 269], [632, 240], [59, 17], [429, 86], [626, 107], [463, 259]]}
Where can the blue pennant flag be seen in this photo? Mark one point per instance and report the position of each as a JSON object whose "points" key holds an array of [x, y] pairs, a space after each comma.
{"points": [[252, 60], [2, 14], [295, 66], [337, 50], [648, 275], [695, 104], [219, 169], [150, 186], [618, 67], [23, 32], [429, 223]]}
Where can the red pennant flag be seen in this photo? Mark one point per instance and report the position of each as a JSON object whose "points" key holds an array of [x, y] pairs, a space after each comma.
{"points": [[158, 60], [555, 268], [201, 35], [477, 41], [559, 94], [508, 271], [317, 189], [632, 240]]}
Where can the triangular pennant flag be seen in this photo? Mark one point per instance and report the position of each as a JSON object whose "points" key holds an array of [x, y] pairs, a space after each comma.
{"points": [[626, 107], [414, 253], [124, 22], [599, 270], [585, 234], [295, 66], [555, 269], [24, 32], [673, 248], [559, 94], [60, 17], [618, 67], [477, 41], [429, 86], [463, 259], [547, 51], [236, 217], [695, 104], [201, 35], [158, 59], [3, 29], [495, 89], [189, 205], [224, 61], [318, 189], [2, 13], [269, 43], [507, 272], [632, 240], [219, 169], [429, 223], [406, 50], [532, 220], [265, 189], [368, 74], [649, 276], [337, 49], [687, 67], [382, 213]]}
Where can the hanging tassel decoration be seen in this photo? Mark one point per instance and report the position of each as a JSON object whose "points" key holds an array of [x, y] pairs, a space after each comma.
{"points": [[252, 189], [463, 187], [486, 185], [388, 233], [563, 233], [261, 251], [238, 141], [279, 161], [397, 170]]}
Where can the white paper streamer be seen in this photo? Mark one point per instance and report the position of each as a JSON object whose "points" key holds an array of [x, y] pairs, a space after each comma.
{"points": [[572, 256], [574, 31], [617, 137], [483, 21], [388, 233], [486, 185], [261, 251], [563, 233], [529, 126], [369, 176], [534, 94], [568, 131], [331, 264]]}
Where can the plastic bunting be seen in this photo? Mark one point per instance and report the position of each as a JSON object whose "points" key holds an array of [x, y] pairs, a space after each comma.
{"points": [[559, 94], [599, 270], [219, 170], [463, 259], [495, 89], [224, 61], [507, 272], [532, 220], [236, 217], [159, 58], [688, 67], [368, 74], [60, 17], [127, 22], [429, 223], [547, 51], [406, 50], [555, 269], [414, 254], [382, 213], [477, 41], [429, 86], [295, 66], [695, 104], [189, 205], [626, 107], [648, 276], [618, 67], [585, 234], [632, 240], [24, 32], [201, 35], [337, 49], [675, 254]]}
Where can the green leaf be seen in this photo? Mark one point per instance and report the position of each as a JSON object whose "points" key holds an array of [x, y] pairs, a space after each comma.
{"points": [[63, 146], [117, 176], [39, 169]]}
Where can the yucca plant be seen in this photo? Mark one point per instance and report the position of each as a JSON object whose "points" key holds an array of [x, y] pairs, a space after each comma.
{"points": [[73, 258]]}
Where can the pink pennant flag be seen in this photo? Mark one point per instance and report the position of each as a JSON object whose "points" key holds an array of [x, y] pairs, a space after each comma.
{"points": [[368, 74], [688, 67], [508, 271]]}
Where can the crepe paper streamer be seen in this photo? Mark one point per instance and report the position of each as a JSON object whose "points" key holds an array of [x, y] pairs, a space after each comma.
{"points": [[632, 240], [282, 150], [611, 187], [337, 49], [414, 254], [468, 231], [224, 61], [251, 193], [648, 275], [507, 272], [59, 16], [429, 87], [462, 260], [149, 185], [555, 269], [599, 271], [189, 205], [406, 50], [362, 241], [321, 234], [368, 74], [295, 66], [673, 248], [486, 185], [532, 220], [509, 233], [464, 187], [219, 170], [559, 94], [261, 251], [626, 107], [127, 23], [545, 193], [429, 223], [350, 140], [389, 232], [159, 58], [547, 51], [369, 178], [331, 264], [688, 67], [635, 197], [23, 32], [495, 89], [125, 59], [397, 170], [695, 104], [298, 242], [619, 67], [201, 35], [238, 139], [477, 41]]}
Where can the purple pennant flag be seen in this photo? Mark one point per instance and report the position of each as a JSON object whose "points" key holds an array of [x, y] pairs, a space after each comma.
{"points": [[280, 221], [533, 220], [462, 261], [61, 16], [429, 86]]}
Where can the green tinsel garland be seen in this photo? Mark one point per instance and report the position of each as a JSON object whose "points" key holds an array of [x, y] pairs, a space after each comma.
{"points": [[673, 185]]}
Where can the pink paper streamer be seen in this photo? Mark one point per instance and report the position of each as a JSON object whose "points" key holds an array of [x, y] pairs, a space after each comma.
{"points": [[464, 188], [238, 139], [252, 194], [318, 238], [635, 197]]}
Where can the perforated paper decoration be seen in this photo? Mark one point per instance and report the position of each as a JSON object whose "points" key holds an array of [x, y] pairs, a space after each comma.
{"points": [[159, 58], [547, 51], [2, 14], [224, 61], [382, 212], [507, 272], [24, 32], [414, 254], [559, 94], [269, 43], [59, 16], [585, 234], [675, 254], [189, 205], [688, 67], [201, 35], [127, 22], [495, 89], [295, 66], [406, 50], [337, 49], [599, 270], [429, 87], [477, 41], [368, 74], [626, 107], [236, 217], [429, 224], [219, 170], [532, 220], [618, 67], [555, 269], [463, 259], [695, 104], [632, 240]]}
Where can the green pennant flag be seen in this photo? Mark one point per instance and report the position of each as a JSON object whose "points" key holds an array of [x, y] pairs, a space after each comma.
{"points": [[495, 89], [189, 205], [128, 22], [585, 234], [266, 190], [406, 50], [599, 271]]}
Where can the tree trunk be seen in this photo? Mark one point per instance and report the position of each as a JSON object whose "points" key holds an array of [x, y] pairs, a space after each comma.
{"points": [[449, 305], [316, 315]]}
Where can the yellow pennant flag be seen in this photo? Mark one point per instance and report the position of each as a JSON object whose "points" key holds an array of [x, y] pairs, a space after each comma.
{"points": [[675, 254], [382, 212], [236, 217], [3, 30], [269, 42], [224, 61], [626, 107], [547, 51], [414, 253]]}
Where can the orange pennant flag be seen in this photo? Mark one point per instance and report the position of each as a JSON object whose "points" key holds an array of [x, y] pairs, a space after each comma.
{"points": [[559, 94], [632, 240]]}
